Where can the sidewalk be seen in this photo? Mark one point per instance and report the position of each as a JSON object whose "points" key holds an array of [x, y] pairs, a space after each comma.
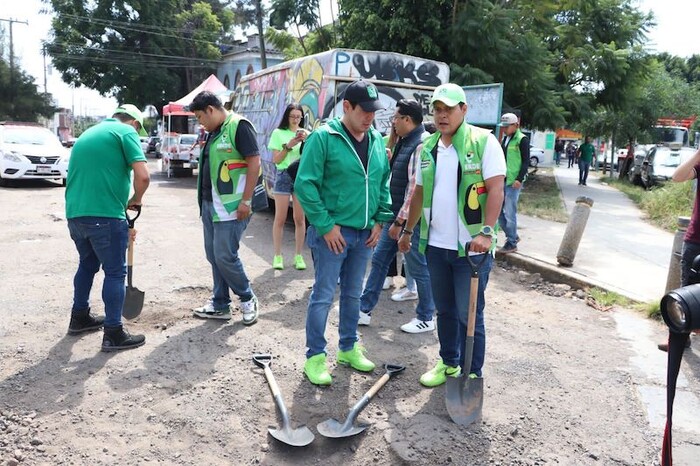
{"points": [[619, 251]]}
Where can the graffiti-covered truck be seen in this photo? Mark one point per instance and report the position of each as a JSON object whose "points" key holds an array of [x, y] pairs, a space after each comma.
{"points": [[318, 82]]}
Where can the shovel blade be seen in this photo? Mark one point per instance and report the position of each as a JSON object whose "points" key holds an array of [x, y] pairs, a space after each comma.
{"points": [[334, 429], [133, 303], [299, 437], [464, 399]]}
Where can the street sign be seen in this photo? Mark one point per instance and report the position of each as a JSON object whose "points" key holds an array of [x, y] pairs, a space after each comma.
{"points": [[484, 103]]}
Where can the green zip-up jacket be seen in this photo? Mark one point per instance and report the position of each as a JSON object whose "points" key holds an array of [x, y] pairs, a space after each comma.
{"points": [[333, 186]]}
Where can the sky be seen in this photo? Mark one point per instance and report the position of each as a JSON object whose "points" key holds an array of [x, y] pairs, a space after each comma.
{"points": [[675, 23]]}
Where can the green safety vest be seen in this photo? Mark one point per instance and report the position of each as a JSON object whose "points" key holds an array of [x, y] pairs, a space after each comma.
{"points": [[470, 143], [514, 159], [227, 169]]}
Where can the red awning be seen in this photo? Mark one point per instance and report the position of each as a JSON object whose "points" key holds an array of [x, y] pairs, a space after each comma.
{"points": [[211, 84]]}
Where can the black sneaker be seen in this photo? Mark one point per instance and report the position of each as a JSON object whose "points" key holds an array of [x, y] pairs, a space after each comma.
{"points": [[116, 339], [83, 321]]}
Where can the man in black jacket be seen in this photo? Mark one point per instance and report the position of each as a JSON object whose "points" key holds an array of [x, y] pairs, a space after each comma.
{"points": [[408, 124]]}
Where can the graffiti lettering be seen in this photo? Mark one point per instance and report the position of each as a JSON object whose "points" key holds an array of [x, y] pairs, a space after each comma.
{"points": [[388, 68]]}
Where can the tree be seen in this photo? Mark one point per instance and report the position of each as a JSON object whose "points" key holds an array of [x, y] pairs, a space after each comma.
{"points": [[140, 51], [20, 99]]}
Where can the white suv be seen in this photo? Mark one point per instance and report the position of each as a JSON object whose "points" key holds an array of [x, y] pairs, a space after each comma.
{"points": [[30, 151]]}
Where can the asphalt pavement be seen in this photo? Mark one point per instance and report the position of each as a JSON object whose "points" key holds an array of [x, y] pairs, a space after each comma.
{"points": [[619, 251]]}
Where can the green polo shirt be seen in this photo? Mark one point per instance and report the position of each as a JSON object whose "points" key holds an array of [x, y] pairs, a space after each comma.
{"points": [[99, 171]]}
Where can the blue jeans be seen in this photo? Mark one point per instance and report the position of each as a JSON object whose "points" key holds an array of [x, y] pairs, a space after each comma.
{"points": [[350, 266], [583, 171], [221, 242], [416, 268], [100, 241], [450, 277], [508, 220]]}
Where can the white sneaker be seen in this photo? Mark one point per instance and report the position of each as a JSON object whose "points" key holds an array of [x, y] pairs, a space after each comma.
{"points": [[365, 319], [404, 295], [250, 311], [208, 312], [419, 326], [388, 283]]}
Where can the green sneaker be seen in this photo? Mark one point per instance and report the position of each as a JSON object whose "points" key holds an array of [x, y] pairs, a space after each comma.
{"points": [[356, 359], [299, 263], [316, 370], [277, 263], [438, 374]]}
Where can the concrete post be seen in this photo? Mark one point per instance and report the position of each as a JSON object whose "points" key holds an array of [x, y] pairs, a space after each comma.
{"points": [[673, 280], [574, 231]]}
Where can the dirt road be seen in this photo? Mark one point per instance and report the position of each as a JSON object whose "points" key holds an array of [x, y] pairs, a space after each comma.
{"points": [[560, 384]]}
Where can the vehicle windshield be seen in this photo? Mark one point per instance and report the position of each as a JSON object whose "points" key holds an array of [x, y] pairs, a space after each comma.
{"points": [[665, 135], [189, 140], [29, 135]]}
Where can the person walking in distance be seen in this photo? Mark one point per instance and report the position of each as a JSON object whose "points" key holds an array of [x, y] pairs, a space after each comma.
{"points": [[342, 184], [230, 166], [97, 195], [586, 154], [285, 143], [407, 122], [516, 147], [458, 197]]}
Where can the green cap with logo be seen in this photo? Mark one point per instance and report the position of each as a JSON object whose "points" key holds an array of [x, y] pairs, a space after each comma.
{"points": [[134, 113], [449, 94]]}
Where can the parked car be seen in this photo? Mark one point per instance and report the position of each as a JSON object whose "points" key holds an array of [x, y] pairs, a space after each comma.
{"points": [[661, 161], [605, 156], [152, 142], [180, 154], [536, 155], [30, 151]]}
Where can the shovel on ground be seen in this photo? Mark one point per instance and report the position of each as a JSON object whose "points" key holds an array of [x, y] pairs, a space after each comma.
{"points": [[133, 300], [299, 437], [464, 396], [334, 429]]}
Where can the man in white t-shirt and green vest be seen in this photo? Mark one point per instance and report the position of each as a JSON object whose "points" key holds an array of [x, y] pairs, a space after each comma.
{"points": [[462, 172]]}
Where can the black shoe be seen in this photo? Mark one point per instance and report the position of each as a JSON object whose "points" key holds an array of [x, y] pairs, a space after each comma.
{"points": [[83, 321], [116, 339]]}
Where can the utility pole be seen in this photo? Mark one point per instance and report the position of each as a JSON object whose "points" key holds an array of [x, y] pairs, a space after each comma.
{"points": [[12, 58], [43, 52], [261, 34]]}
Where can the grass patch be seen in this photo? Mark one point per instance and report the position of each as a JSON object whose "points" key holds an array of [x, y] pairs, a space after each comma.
{"points": [[650, 309], [662, 204], [608, 298], [541, 197]]}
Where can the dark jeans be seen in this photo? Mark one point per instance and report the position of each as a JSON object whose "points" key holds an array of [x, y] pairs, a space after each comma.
{"points": [[100, 241], [583, 167], [450, 276]]}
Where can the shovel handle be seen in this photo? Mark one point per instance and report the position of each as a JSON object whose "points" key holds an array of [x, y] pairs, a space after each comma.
{"points": [[264, 361], [132, 220], [391, 370]]}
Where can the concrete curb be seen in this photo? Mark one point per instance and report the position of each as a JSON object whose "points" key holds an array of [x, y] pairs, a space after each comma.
{"points": [[561, 274]]}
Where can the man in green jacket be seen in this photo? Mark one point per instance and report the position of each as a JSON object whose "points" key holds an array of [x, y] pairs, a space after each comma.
{"points": [[458, 196], [516, 147], [342, 185], [586, 155], [228, 173]]}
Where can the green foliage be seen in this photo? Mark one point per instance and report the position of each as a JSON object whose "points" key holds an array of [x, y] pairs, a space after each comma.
{"points": [[140, 51], [663, 204], [295, 15], [608, 298], [20, 99]]}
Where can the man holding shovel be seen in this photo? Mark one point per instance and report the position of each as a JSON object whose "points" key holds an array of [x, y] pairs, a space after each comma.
{"points": [[462, 172], [97, 194]]}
